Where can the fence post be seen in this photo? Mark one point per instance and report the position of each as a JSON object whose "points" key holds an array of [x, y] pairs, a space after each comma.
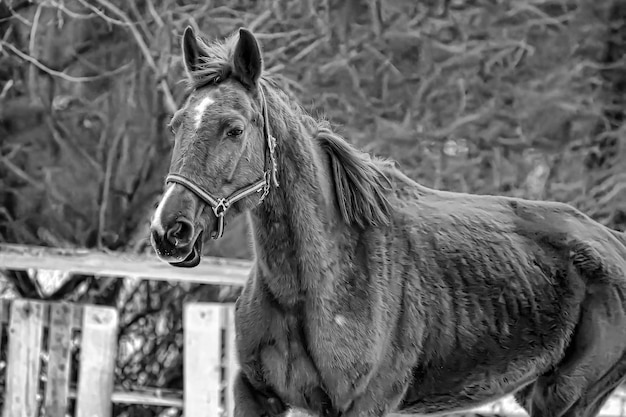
{"points": [[97, 361], [202, 359], [24, 354], [59, 344], [230, 360]]}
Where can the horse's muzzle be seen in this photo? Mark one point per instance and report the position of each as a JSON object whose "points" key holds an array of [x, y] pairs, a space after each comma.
{"points": [[179, 245], [175, 232], [193, 259]]}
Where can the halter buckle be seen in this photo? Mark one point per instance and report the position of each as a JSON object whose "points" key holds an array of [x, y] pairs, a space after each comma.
{"points": [[271, 144], [220, 208], [266, 187]]}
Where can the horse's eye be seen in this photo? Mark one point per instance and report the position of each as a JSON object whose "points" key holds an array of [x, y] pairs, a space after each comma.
{"points": [[235, 132]]}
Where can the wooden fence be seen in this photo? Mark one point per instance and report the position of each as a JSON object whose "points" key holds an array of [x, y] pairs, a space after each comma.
{"points": [[216, 271], [25, 385], [38, 339]]}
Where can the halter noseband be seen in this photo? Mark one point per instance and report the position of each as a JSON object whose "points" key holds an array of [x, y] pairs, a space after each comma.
{"points": [[221, 205]]}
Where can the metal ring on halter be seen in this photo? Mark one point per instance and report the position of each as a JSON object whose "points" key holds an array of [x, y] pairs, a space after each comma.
{"points": [[220, 208]]}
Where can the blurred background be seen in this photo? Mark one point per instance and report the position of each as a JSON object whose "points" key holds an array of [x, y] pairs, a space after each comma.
{"points": [[524, 98]]}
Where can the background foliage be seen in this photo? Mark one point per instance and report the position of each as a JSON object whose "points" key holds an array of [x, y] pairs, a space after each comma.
{"points": [[515, 97]]}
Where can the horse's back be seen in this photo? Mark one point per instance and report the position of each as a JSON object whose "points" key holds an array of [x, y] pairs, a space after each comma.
{"points": [[545, 222]]}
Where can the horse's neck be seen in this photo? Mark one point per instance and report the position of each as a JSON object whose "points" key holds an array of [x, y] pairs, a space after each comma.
{"points": [[293, 228]]}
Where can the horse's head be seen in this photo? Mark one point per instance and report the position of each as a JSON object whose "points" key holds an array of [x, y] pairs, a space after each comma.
{"points": [[223, 157]]}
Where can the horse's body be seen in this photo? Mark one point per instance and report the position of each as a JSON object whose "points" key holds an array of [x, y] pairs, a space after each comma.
{"points": [[463, 299], [371, 293]]}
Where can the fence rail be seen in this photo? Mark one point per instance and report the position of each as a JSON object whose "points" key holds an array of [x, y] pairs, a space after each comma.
{"points": [[40, 377], [216, 271]]}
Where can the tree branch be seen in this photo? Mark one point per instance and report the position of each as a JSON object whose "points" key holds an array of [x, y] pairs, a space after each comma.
{"points": [[60, 74], [170, 103]]}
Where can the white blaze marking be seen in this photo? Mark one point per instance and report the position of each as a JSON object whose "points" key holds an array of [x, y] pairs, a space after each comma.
{"points": [[200, 109], [158, 213]]}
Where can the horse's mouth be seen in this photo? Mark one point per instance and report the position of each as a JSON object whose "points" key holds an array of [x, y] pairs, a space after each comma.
{"points": [[193, 259]]}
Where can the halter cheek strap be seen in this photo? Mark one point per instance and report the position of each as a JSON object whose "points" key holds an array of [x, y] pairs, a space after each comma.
{"points": [[221, 205]]}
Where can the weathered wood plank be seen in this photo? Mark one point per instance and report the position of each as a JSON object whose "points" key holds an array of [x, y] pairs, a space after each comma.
{"points": [[4, 318], [97, 361], [147, 396], [24, 358], [202, 363], [59, 342], [231, 365], [5, 315], [77, 315], [210, 271], [146, 399]]}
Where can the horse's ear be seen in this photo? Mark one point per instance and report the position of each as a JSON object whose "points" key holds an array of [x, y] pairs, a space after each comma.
{"points": [[191, 50], [248, 63]]}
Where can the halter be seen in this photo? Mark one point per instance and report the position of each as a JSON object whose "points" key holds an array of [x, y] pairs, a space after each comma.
{"points": [[221, 205]]}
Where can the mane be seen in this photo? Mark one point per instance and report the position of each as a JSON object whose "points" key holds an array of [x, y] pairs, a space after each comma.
{"points": [[360, 184], [359, 181]]}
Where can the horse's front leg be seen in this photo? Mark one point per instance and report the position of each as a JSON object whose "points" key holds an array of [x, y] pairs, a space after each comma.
{"points": [[255, 401]]}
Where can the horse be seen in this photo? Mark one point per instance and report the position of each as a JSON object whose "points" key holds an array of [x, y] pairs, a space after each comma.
{"points": [[370, 293]]}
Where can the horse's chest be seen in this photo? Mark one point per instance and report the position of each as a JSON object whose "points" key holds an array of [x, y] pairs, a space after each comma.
{"points": [[298, 350], [298, 356], [286, 360]]}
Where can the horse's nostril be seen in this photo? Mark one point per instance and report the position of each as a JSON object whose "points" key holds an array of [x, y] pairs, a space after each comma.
{"points": [[180, 233]]}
